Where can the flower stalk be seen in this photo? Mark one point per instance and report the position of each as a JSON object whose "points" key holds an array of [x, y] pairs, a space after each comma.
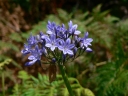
{"points": [[64, 76], [3, 84]]}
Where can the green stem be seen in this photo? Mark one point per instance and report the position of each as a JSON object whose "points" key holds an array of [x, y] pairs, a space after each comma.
{"points": [[3, 83], [65, 79]]}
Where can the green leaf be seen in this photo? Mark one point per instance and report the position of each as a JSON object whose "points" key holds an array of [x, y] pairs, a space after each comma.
{"points": [[35, 79], [8, 45], [16, 37], [40, 77], [23, 75]]}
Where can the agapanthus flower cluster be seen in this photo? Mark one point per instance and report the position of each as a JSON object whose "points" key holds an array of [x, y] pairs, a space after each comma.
{"points": [[59, 44]]}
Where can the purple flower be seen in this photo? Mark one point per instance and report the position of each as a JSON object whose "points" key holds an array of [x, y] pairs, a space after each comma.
{"points": [[61, 31], [27, 49], [44, 51], [77, 41], [35, 56], [75, 50], [85, 42], [72, 29], [32, 40], [57, 30], [66, 46], [53, 60], [51, 27], [51, 42], [88, 49], [41, 37]]}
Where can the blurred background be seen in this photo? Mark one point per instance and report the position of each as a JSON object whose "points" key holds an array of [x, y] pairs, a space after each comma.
{"points": [[104, 71]]}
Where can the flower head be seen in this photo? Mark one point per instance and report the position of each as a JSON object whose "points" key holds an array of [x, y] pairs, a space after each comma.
{"points": [[58, 44]]}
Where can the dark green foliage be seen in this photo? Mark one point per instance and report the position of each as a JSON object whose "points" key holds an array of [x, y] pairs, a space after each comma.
{"points": [[112, 78], [41, 86]]}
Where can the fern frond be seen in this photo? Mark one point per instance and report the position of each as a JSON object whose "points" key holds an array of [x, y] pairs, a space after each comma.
{"points": [[6, 61], [42, 87]]}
